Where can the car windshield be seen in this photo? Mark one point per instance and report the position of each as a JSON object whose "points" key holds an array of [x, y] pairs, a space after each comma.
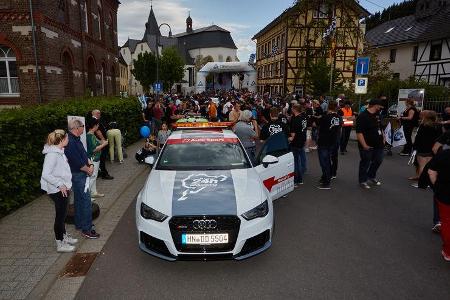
{"points": [[203, 156]]}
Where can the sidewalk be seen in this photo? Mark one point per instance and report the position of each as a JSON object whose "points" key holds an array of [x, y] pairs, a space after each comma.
{"points": [[30, 267]]}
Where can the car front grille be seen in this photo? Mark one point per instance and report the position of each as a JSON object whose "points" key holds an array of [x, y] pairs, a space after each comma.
{"points": [[184, 224]]}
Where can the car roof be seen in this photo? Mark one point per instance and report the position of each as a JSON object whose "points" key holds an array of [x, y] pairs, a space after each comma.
{"points": [[202, 133]]}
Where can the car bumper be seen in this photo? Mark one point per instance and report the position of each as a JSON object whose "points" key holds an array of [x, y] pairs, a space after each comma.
{"points": [[157, 239]]}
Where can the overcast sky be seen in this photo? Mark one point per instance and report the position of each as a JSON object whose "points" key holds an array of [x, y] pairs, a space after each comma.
{"points": [[243, 18]]}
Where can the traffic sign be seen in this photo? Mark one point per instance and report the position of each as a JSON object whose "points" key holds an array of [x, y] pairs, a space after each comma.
{"points": [[362, 65], [158, 87], [361, 85]]}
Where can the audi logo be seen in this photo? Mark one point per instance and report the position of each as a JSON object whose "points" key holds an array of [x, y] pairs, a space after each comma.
{"points": [[204, 224]]}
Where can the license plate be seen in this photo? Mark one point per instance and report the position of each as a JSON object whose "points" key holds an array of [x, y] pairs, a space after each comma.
{"points": [[204, 239]]}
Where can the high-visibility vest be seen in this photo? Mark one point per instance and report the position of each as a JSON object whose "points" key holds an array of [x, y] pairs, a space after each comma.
{"points": [[348, 113]]}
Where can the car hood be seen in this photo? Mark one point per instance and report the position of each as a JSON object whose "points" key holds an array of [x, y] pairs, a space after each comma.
{"points": [[222, 192]]}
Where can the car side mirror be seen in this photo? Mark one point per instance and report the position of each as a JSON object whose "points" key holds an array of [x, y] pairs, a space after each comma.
{"points": [[269, 160], [150, 160]]}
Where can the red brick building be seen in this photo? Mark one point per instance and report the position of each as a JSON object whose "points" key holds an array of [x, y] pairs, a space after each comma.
{"points": [[76, 49]]}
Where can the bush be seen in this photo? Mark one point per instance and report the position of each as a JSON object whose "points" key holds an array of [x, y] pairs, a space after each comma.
{"points": [[23, 133]]}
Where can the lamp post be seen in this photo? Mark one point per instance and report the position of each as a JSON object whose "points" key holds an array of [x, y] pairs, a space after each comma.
{"points": [[157, 53]]}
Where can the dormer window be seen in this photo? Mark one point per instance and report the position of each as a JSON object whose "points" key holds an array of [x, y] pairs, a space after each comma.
{"points": [[389, 30], [321, 12]]}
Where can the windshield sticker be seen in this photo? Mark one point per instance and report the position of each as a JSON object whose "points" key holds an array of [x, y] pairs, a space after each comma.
{"points": [[201, 140], [204, 192]]}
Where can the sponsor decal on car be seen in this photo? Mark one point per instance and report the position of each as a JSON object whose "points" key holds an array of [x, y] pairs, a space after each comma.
{"points": [[195, 183], [201, 140]]}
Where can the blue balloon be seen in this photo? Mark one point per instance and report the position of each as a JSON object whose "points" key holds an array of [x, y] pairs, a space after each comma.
{"points": [[145, 131]]}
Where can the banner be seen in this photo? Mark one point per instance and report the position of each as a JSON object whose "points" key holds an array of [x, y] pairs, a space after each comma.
{"points": [[415, 94], [388, 134], [399, 138]]}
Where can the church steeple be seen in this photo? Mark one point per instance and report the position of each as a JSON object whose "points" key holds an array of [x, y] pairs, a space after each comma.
{"points": [[151, 27], [189, 23]]}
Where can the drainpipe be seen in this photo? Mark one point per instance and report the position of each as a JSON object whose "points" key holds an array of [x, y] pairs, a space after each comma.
{"points": [[33, 33]]}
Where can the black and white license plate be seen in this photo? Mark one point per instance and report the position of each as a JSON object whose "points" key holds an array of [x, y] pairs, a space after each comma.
{"points": [[204, 239]]}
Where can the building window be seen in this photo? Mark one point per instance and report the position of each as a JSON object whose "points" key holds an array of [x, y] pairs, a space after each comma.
{"points": [[321, 12], [278, 42], [415, 53], [392, 55], [282, 41], [9, 81], [436, 51], [63, 11], [396, 76]]}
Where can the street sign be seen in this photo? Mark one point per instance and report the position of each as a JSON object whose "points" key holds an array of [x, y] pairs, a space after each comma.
{"points": [[362, 65], [158, 87], [361, 85]]}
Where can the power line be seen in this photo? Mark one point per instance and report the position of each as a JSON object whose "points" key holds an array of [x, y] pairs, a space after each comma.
{"points": [[373, 3]]}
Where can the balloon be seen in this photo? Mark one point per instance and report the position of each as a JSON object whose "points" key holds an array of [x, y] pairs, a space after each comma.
{"points": [[145, 131]]}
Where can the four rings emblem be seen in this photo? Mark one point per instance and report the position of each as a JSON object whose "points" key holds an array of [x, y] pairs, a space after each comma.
{"points": [[204, 224]]}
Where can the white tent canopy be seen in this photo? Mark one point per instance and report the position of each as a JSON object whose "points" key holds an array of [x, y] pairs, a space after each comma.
{"points": [[249, 72]]}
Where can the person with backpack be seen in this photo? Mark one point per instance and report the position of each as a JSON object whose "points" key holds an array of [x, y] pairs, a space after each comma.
{"points": [[409, 120]]}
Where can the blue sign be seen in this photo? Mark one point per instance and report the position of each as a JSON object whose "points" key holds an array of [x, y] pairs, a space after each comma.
{"points": [[158, 87], [361, 82], [362, 65]]}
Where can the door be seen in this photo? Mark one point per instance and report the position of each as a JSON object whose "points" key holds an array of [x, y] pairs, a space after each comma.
{"points": [[278, 178]]}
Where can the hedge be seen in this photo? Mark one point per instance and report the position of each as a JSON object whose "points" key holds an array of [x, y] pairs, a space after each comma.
{"points": [[23, 133]]}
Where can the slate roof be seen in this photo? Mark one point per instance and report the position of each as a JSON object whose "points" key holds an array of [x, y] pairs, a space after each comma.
{"points": [[277, 20], [151, 27], [121, 60], [411, 30]]}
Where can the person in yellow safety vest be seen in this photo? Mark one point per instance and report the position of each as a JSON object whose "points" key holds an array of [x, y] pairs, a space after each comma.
{"points": [[346, 113]]}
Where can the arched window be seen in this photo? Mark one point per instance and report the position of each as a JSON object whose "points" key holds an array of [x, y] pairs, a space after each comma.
{"points": [[9, 81], [99, 20]]}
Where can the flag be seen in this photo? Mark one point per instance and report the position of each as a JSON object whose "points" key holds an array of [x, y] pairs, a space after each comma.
{"points": [[399, 138], [388, 134]]}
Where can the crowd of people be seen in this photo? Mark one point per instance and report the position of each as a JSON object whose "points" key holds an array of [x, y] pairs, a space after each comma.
{"points": [[309, 124]]}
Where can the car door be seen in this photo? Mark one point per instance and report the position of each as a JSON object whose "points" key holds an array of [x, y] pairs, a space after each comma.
{"points": [[278, 178]]}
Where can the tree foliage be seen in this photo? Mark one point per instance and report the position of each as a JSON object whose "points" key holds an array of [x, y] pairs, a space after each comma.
{"points": [[171, 66], [201, 61], [394, 11], [145, 69], [318, 78]]}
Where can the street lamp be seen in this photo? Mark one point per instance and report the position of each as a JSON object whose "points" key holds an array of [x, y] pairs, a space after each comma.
{"points": [[157, 53]]}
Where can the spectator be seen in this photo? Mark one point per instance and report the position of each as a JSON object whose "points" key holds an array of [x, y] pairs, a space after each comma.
{"points": [[347, 114], [247, 131], [274, 126], [328, 143], [94, 149], [212, 111], [371, 144], [163, 135], [56, 180], [101, 134], [299, 126], [235, 113], [446, 119], [440, 178], [410, 120], [81, 168], [427, 134]]}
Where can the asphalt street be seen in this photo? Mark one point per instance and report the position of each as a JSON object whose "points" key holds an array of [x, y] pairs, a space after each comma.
{"points": [[346, 243]]}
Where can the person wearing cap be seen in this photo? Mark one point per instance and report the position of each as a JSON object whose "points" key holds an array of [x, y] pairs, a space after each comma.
{"points": [[371, 144]]}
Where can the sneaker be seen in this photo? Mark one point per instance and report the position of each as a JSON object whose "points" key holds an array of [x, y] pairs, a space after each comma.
{"points": [[445, 256], [69, 239], [324, 186], [436, 228], [97, 195], [121, 161], [365, 185], [307, 150], [333, 177], [404, 154], [107, 177], [62, 246], [375, 181], [415, 185], [90, 234]]}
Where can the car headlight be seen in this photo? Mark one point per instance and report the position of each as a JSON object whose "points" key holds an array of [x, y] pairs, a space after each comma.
{"points": [[150, 213], [258, 212]]}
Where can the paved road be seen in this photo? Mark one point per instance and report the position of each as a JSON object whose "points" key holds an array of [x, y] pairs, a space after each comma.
{"points": [[346, 243]]}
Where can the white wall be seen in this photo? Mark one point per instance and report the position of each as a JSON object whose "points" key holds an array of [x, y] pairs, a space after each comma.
{"points": [[215, 53], [403, 62]]}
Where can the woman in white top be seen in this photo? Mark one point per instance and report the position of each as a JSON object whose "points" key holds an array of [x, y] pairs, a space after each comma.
{"points": [[56, 180]]}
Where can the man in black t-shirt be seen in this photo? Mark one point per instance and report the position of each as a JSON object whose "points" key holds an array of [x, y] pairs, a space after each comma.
{"points": [[439, 172], [329, 134], [299, 125], [371, 143], [274, 126]]}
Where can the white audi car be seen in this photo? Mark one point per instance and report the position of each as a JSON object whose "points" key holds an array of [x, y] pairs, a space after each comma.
{"points": [[204, 199]]}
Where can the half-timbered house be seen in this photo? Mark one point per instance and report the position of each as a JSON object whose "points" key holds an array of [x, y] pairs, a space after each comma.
{"points": [[417, 45], [303, 34]]}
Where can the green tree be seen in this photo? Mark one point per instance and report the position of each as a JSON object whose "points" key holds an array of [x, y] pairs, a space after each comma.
{"points": [[318, 78], [145, 69], [171, 67]]}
